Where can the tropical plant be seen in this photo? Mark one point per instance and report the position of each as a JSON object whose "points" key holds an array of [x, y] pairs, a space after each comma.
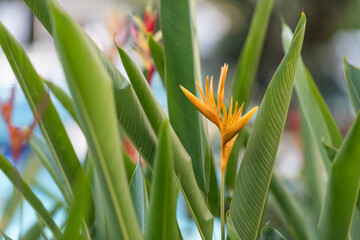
{"points": [[109, 197]]}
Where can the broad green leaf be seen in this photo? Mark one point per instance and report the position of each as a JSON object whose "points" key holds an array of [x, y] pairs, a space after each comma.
{"points": [[158, 55], [50, 124], [97, 117], [14, 176], [182, 68], [78, 209], [139, 196], [161, 222], [290, 208], [342, 188], [269, 233], [134, 122], [249, 59], [244, 77], [61, 95], [312, 105], [352, 81], [253, 181]]}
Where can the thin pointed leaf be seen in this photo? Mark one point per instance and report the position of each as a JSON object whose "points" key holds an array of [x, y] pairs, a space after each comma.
{"points": [[182, 68], [352, 81], [248, 203], [139, 196], [97, 116], [290, 208], [77, 210], [161, 223], [34, 232], [29, 174], [158, 55], [314, 108], [6, 237], [14, 176], [244, 77], [342, 188], [314, 170], [249, 59]]}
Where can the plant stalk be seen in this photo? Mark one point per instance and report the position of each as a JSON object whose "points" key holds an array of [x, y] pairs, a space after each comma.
{"points": [[222, 206]]}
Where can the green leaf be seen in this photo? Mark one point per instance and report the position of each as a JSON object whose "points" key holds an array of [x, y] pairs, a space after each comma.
{"points": [[29, 174], [248, 203], [6, 237], [314, 170], [158, 55], [182, 68], [50, 123], [312, 105], [330, 150], [48, 161], [342, 188], [249, 59], [352, 81], [183, 167], [269, 233], [61, 95], [36, 229], [14, 176], [97, 117], [233, 162], [129, 165], [290, 208], [82, 196], [213, 197], [146, 97], [161, 222], [244, 77], [139, 196], [134, 122]]}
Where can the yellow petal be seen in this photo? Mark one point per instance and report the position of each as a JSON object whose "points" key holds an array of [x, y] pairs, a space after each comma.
{"points": [[212, 101], [201, 92], [237, 126], [205, 109]]}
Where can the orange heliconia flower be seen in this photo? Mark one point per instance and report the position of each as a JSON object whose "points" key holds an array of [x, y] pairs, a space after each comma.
{"points": [[229, 123]]}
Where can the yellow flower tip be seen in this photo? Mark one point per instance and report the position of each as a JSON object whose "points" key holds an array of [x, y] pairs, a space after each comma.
{"points": [[235, 128]]}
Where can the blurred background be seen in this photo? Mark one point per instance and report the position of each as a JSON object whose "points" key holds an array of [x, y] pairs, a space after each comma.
{"points": [[333, 30]]}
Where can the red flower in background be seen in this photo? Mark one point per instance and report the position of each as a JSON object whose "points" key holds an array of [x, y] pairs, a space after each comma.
{"points": [[140, 30], [17, 136]]}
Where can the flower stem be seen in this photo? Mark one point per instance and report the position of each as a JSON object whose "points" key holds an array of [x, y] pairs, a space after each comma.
{"points": [[222, 206]]}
